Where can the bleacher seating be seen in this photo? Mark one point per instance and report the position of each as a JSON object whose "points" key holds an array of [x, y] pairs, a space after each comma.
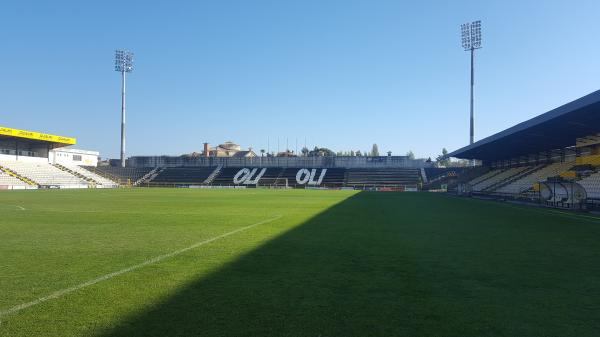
{"points": [[102, 181], [122, 175], [483, 177], [183, 175], [45, 174], [8, 180], [383, 177], [524, 183], [499, 177], [271, 174], [334, 177], [593, 160], [591, 184], [526, 170], [225, 177], [450, 177], [435, 173]]}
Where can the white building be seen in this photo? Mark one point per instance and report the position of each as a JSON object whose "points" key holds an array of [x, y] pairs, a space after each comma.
{"points": [[71, 157]]}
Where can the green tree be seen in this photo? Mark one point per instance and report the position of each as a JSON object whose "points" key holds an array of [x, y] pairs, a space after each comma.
{"points": [[321, 152], [442, 160], [305, 151], [375, 151]]}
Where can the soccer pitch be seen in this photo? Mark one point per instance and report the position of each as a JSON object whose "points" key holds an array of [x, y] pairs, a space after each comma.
{"points": [[190, 262]]}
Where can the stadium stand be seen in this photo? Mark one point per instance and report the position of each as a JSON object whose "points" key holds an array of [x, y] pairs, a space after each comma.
{"points": [[280, 176], [435, 178], [250, 176], [434, 173], [121, 175], [332, 177], [526, 182], [225, 177], [271, 176], [182, 175], [89, 176], [591, 184], [525, 170], [552, 159], [45, 174], [498, 178], [471, 173], [484, 176], [383, 177], [8, 180], [593, 160], [213, 175]]}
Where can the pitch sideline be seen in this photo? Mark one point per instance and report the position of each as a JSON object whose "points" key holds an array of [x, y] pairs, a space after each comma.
{"points": [[153, 260]]}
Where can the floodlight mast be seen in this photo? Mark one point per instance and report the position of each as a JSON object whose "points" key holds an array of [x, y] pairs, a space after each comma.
{"points": [[471, 40], [123, 64]]}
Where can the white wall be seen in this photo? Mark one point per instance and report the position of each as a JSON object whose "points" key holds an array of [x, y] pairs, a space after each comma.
{"points": [[70, 157]]}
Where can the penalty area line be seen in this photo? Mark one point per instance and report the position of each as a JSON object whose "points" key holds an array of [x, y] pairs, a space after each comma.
{"points": [[62, 292]]}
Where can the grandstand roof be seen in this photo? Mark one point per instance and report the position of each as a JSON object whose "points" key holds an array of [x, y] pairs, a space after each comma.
{"points": [[555, 129], [56, 141]]}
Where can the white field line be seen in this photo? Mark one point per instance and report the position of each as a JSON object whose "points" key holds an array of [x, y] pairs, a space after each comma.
{"points": [[18, 208], [153, 260]]}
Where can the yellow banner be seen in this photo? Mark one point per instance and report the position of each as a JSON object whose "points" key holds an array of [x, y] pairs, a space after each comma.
{"points": [[37, 136]]}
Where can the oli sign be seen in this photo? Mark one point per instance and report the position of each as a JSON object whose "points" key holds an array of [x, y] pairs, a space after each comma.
{"points": [[305, 176], [248, 176]]}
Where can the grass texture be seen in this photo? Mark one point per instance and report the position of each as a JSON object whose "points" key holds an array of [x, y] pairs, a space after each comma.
{"points": [[292, 263]]}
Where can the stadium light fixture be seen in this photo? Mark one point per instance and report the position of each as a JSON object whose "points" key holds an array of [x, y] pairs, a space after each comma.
{"points": [[123, 64], [471, 40]]}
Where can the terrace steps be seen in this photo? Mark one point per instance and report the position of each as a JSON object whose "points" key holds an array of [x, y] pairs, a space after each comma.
{"points": [[77, 174], [213, 175], [18, 176]]}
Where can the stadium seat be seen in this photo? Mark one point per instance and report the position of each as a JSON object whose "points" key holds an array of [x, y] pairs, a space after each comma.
{"points": [[182, 175], [591, 184], [9, 181], [497, 178], [45, 174], [525, 183], [383, 177], [485, 176], [98, 179], [122, 175]]}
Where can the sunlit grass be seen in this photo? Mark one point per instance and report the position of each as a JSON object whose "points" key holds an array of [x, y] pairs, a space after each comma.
{"points": [[332, 263]]}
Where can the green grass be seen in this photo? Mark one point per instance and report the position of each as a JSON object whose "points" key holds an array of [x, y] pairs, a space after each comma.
{"points": [[332, 263]]}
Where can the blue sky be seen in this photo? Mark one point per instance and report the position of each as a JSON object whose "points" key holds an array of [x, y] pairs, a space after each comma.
{"points": [[342, 74]]}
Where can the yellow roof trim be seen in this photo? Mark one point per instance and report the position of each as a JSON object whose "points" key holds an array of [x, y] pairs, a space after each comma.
{"points": [[37, 136]]}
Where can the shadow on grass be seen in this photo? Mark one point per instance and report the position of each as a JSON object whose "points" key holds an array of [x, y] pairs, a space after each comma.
{"points": [[341, 273], [380, 265]]}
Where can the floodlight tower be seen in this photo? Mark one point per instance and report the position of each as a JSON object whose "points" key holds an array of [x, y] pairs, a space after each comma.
{"points": [[123, 64], [471, 40]]}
